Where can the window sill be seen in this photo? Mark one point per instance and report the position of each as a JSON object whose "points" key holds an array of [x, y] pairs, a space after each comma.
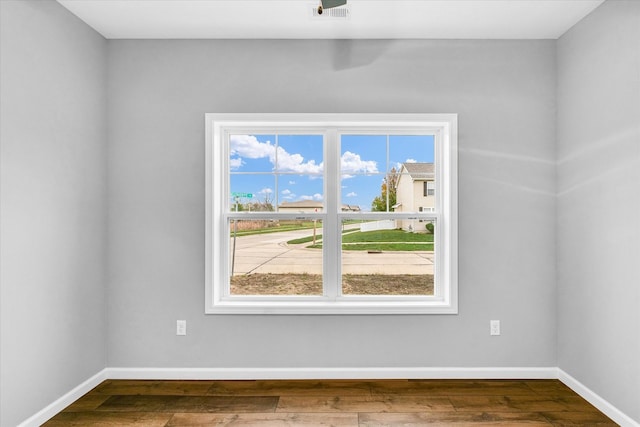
{"points": [[346, 306]]}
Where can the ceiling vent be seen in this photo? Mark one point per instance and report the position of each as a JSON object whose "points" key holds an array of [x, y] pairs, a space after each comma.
{"points": [[333, 13]]}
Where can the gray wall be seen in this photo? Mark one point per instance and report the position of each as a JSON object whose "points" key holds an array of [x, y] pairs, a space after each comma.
{"points": [[599, 203], [505, 95], [53, 149]]}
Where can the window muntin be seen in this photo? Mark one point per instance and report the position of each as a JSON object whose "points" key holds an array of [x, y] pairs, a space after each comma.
{"points": [[339, 158]]}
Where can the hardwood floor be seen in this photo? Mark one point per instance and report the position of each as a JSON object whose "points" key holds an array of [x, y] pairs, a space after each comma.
{"points": [[331, 403]]}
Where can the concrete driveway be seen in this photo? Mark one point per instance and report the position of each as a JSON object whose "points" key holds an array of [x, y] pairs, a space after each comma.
{"points": [[269, 253]]}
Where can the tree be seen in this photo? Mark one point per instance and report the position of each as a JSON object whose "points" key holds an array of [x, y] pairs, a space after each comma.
{"points": [[388, 189], [264, 205]]}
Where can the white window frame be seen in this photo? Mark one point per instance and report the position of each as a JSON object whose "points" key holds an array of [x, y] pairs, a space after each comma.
{"points": [[445, 298]]}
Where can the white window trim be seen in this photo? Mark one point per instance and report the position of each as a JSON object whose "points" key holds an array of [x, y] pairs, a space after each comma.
{"points": [[446, 299]]}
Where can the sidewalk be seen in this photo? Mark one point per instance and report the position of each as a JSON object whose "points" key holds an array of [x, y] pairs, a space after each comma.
{"points": [[270, 254]]}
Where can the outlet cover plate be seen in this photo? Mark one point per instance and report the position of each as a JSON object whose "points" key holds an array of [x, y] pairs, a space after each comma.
{"points": [[181, 327], [494, 327]]}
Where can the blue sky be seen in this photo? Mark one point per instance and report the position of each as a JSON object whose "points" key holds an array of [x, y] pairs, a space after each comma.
{"points": [[290, 167]]}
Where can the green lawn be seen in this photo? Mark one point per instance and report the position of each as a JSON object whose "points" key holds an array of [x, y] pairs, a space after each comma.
{"points": [[278, 229], [354, 240], [387, 236], [383, 240], [308, 239], [383, 247], [304, 240]]}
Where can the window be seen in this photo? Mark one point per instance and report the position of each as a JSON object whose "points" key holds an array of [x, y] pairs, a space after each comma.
{"points": [[429, 188], [321, 213]]}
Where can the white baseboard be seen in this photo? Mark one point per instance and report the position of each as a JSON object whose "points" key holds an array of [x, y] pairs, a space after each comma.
{"points": [[67, 399], [596, 400], [329, 373]]}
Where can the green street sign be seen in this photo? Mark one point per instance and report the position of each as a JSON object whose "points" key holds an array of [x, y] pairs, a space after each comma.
{"points": [[246, 195]]}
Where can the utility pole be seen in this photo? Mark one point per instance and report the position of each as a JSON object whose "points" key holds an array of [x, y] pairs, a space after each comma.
{"points": [[235, 232]]}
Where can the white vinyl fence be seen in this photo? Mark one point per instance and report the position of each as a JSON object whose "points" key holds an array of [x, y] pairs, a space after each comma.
{"points": [[387, 224]]}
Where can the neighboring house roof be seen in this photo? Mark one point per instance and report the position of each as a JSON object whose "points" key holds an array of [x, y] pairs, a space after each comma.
{"points": [[350, 208], [419, 171], [314, 204]]}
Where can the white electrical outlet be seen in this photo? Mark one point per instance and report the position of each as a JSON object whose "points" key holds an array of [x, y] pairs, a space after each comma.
{"points": [[181, 327], [494, 327]]}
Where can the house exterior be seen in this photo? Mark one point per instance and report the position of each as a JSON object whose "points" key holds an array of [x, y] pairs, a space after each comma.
{"points": [[311, 206], [415, 192]]}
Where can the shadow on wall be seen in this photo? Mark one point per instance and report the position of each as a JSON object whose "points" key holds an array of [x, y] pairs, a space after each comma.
{"points": [[347, 54]]}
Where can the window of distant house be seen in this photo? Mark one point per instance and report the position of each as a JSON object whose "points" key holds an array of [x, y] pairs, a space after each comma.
{"points": [[429, 188], [331, 213]]}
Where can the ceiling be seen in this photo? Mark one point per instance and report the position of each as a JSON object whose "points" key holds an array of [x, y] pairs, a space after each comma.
{"points": [[367, 19]]}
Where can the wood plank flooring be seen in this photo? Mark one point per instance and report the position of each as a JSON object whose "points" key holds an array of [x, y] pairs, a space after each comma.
{"points": [[331, 403]]}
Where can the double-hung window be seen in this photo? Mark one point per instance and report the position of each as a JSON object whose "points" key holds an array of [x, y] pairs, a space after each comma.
{"points": [[324, 213]]}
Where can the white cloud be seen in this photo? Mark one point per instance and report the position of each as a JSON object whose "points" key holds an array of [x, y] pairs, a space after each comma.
{"points": [[316, 196], [411, 161], [235, 163], [351, 163], [288, 162], [352, 194], [248, 146], [292, 183], [265, 191], [287, 194]]}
